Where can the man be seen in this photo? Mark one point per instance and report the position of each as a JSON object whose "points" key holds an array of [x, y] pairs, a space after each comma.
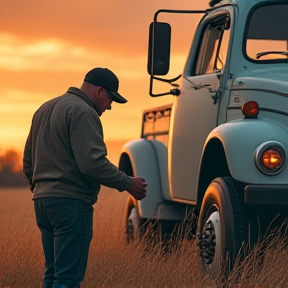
{"points": [[65, 164]]}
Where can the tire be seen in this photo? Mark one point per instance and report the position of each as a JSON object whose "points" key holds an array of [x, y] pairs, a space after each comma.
{"points": [[132, 225], [221, 226], [135, 226]]}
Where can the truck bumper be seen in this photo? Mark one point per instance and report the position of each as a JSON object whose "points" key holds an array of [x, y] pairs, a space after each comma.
{"points": [[266, 194]]}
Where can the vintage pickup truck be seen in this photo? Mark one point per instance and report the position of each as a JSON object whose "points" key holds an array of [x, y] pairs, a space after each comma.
{"points": [[219, 151]]}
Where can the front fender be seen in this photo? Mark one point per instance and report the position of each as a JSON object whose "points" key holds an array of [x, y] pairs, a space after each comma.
{"points": [[142, 156], [240, 139]]}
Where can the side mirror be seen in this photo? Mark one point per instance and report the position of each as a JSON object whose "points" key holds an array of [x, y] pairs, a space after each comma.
{"points": [[159, 48]]}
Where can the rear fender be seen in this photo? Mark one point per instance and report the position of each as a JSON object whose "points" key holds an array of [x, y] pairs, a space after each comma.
{"points": [[149, 159], [139, 158]]}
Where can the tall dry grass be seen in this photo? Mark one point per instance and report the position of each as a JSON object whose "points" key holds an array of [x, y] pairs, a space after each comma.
{"points": [[112, 263]]}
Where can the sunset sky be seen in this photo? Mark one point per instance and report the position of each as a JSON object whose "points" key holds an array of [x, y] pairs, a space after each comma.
{"points": [[46, 46]]}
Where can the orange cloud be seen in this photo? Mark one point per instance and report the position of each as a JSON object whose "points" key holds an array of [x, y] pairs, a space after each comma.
{"points": [[57, 55]]}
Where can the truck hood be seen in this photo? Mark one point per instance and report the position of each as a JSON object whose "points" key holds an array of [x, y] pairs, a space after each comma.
{"points": [[271, 79]]}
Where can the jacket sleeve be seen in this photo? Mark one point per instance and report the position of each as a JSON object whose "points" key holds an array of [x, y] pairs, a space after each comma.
{"points": [[86, 137], [27, 162]]}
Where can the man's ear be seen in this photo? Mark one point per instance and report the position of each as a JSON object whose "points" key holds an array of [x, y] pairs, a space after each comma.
{"points": [[98, 92]]}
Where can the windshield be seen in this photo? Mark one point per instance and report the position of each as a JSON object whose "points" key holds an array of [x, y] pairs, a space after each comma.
{"points": [[267, 33]]}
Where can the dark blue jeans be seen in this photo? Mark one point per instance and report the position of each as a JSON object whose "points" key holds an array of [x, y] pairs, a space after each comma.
{"points": [[66, 227]]}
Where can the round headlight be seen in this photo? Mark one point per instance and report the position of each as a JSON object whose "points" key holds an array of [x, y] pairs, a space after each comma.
{"points": [[270, 157]]}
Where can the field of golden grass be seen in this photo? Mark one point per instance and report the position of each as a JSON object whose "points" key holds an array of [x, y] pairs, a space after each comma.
{"points": [[112, 263]]}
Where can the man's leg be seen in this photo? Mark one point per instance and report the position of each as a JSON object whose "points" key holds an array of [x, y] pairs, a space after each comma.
{"points": [[72, 221], [47, 238]]}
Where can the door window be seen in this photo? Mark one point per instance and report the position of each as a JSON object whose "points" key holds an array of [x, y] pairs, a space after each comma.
{"points": [[214, 46]]}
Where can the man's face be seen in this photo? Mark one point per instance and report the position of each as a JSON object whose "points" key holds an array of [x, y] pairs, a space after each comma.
{"points": [[104, 100]]}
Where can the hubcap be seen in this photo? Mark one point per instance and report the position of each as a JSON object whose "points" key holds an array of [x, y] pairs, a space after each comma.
{"points": [[132, 226], [207, 243], [210, 242]]}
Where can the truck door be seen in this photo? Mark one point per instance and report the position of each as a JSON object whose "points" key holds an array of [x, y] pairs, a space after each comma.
{"points": [[195, 110]]}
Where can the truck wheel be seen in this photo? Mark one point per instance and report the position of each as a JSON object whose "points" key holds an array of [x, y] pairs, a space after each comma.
{"points": [[220, 226]]}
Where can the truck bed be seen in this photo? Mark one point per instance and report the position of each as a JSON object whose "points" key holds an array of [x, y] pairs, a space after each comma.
{"points": [[156, 122]]}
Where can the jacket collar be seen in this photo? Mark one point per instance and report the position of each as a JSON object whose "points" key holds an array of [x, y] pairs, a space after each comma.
{"points": [[81, 94]]}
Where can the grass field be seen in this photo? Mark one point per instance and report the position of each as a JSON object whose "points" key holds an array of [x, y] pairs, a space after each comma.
{"points": [[112, 263]]}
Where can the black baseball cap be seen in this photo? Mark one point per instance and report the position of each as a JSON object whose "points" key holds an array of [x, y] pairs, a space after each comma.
{"points": [[105, 78]]}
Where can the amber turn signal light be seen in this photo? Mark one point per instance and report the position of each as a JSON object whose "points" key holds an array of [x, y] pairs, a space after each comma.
{"points": [[271, 159], [250, 109]]}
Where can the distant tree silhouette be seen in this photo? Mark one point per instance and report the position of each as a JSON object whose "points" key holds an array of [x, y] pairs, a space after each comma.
{"points": [[11, 169]]}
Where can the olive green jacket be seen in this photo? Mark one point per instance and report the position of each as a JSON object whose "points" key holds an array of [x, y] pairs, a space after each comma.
{"points": [[65, 155]]}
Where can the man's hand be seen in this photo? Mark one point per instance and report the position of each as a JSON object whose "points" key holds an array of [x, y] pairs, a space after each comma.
{"points": [[138, 188]]}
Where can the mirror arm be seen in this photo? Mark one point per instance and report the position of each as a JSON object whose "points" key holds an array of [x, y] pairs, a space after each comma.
{"points": [[167, 80], [151, 89], [174, 91], [178, 12]]}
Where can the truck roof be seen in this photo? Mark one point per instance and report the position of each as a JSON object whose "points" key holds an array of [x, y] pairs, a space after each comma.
{"points": [[215, 3], [212, 3]]}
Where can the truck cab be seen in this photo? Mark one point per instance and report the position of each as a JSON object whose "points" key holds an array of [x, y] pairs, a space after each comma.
{"points": [[219, 151]]}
